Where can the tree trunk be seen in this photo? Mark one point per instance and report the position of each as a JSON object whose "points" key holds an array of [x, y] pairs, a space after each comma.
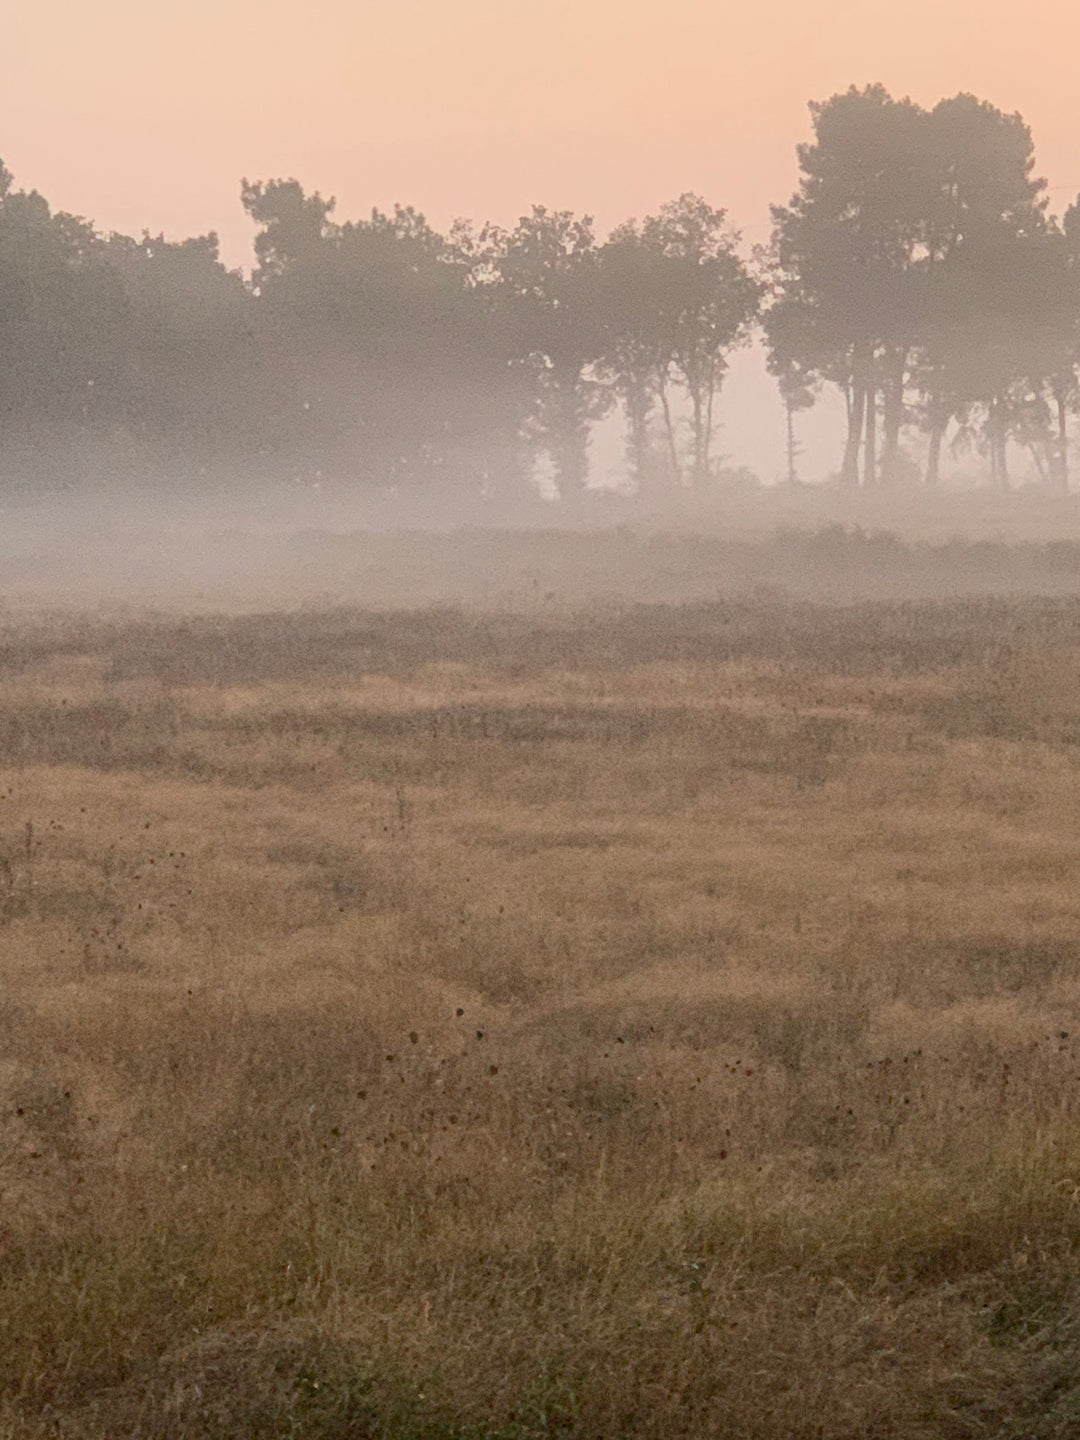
{"points": [[669, 428], [933, 455], [1062, 456], [894, 418], [698, 401], [849, 471], [870, 472], [568, 434], [792, 474], [1046, 474], [999, 463], [707, 457], [636, 400]]}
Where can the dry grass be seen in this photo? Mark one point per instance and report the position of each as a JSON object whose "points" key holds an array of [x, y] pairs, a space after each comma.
{"points": [[659, 1022]]}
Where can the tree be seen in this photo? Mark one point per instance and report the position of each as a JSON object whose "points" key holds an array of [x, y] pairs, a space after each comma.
{"points": [[793, 354], [636, 353], [917, 254], [983, 271], [676, 300], [117, 352], [59, 318], [547, 270], [707, 302], [292, 224], [392, 349], [1065, 377], [846, 246], [797, 393], [185, 368]]}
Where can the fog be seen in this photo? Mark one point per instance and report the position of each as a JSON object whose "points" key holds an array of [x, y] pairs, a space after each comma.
{"points": [[289, 549], [531, 408]]}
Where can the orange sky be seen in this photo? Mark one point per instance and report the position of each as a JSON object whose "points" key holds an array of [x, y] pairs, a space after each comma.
{"points": [[137, 113], [144, 115]]}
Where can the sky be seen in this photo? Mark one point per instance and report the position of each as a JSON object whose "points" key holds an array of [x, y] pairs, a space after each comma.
{"points": [[140, 115]]}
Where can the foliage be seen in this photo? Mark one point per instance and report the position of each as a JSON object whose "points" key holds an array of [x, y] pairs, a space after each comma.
{"points": [[916, 267]]}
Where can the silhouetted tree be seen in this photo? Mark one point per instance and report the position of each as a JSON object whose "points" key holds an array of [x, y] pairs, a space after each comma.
{"points": [[636, 350], [917, 254], [186, 373], [916, 268], [707, 303], [846, 245], [393, 345], [676, 300], [59, 318], [1065, 377], [981, 270], [547, 270]]}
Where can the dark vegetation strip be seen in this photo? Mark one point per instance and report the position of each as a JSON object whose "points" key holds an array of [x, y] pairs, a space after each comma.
{"points": [[902, 637]]}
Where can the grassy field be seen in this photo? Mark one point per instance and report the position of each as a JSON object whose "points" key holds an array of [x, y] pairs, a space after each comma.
{"points": [[644, 1022]]}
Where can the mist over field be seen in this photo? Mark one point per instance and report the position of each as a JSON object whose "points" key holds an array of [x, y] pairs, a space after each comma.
{"points": [[207, 555]]}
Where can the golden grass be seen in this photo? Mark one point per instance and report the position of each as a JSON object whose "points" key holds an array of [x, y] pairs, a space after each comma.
{"points": [[526, 1033]]}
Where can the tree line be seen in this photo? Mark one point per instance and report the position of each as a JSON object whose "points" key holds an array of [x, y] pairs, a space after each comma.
{"points": [[917, 268]]}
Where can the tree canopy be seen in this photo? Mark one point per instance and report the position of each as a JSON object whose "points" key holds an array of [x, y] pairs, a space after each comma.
{"points": [[917, 269]]}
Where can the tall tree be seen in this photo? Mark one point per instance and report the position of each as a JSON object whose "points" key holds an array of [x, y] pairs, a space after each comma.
{"points": [[395, 354], [61, 316], [984, 233], [1065, 377], [847, 244], [917, 254], [186, 362], [637, 335], [707, 304], [548, 273]]}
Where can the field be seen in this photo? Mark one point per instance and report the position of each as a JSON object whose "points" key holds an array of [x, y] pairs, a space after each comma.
{"points": [[633, 1021]]}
